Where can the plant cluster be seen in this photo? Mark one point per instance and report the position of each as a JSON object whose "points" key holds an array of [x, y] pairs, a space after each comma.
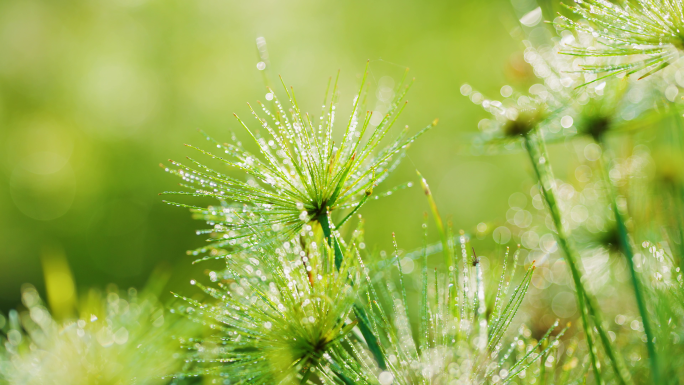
{"points": [[117, 338], [300, 297]]}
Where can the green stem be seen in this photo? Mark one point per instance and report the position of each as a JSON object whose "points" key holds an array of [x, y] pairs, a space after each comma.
{"points": [[629, 254], [542, 367], [614, 355], [340, 374], [356, 208], [677, 198], [544, 174], [361, 316], [438, 221], [325, 224], [306, 369], [593, 308]]}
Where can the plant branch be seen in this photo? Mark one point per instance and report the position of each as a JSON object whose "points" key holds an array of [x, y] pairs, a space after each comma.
{"points": [[361, 316], [626, 247]]}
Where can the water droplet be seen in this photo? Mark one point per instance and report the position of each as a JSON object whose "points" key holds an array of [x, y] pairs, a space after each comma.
{"points": [[566, 121], [386, 378]]}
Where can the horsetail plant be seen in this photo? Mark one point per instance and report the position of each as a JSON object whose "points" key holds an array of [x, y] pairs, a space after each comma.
{"points": [[523, 122], [459, 340], [279, 315], [645, 34], [593, 110], [300, 175], [299, 303]]}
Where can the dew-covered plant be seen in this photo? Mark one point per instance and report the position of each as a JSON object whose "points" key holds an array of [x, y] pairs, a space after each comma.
{"points": [[277, 315], [574, 96], [303, 171], [300, 178], [296, 304], [526, 125], [638, 36], [560, 102], [591, 110], [301, 299], [460, 339], [119, 338], [661, 275]]}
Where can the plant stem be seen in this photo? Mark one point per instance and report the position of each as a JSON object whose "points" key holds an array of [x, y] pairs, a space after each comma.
{"points": [[361, 316], [626, 247], [677, 196], [542, 367], [438, 221], [536, 150], [306, 370], [325, 224]]}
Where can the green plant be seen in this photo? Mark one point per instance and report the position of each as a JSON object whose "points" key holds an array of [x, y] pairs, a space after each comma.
{"points": [[278, 314], [532, 118], [459, 339], [118, 338], [646, 33], [295, 294], [301, 174], [287, 309]]}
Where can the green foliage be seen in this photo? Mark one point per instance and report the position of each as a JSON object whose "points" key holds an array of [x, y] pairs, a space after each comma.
{"points": [[284, 312], [277, 313], [593, 111], [645, 33], [296, 294], [458, 339], [119, 338], [300, 174]]}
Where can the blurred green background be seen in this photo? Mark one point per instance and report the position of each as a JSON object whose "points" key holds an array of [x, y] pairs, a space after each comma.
{"points": [[95, 94]]}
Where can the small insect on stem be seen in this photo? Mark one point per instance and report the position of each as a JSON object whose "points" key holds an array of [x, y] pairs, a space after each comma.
{"points": [[476, 260]]}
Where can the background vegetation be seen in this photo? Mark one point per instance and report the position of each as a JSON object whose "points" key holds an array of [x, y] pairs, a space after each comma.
{"points": [[94, 94]]}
